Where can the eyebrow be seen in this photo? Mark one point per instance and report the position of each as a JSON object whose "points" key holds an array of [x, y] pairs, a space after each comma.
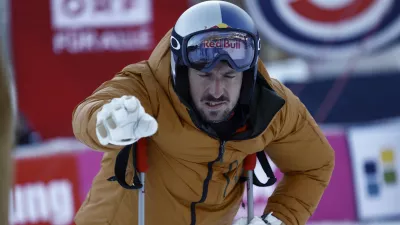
{"points": [[225, 73], [229, 72]]}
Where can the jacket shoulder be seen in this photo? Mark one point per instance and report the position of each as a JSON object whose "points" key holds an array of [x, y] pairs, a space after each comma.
{"points": [[149, 82], [139, 68]]}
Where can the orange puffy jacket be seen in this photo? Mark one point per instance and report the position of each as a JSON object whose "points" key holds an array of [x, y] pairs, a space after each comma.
{"points": [[191, 181]]}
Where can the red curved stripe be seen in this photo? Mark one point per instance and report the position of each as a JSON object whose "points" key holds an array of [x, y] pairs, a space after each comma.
{"points": [[307, 9]]}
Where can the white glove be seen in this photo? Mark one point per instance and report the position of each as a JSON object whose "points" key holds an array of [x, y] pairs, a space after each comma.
{"points": [[269, 220], [123, 121]]}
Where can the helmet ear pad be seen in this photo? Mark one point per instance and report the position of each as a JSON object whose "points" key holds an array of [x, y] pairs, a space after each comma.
{"points": [[182, 85], [247, 89]]}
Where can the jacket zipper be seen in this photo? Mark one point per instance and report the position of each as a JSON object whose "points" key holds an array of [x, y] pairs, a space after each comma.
{"points": [[220, 157], [221, 151]]}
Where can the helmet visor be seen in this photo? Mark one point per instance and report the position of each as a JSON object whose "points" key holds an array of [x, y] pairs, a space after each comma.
{"points": [[204, 50]]}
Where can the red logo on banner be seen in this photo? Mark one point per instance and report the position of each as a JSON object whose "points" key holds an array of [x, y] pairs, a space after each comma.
{"points": [[46, 191], [307, 8]]}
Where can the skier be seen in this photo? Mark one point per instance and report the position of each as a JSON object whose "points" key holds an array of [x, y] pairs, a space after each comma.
{"points": [[203, 101]]}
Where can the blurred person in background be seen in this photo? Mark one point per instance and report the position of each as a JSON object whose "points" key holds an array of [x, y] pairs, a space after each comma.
{"points": [[7, 135], [25, 134], [207, 102]]}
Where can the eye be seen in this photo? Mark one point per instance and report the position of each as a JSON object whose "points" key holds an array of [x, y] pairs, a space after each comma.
{"points": [[230, 76], [203, 74]]}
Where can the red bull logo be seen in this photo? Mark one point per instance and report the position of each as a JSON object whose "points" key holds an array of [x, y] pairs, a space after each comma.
{"points": [[221, 25], [221, 43]]}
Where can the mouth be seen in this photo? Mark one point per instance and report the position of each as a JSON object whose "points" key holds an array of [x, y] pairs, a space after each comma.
{"points": [[215, 105]]}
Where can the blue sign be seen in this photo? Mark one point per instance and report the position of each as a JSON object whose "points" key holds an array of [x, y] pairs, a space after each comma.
{"points": [[325, 28]]}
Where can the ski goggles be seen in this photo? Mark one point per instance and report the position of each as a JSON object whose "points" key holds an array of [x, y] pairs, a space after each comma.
{"points": [[202, 51]]}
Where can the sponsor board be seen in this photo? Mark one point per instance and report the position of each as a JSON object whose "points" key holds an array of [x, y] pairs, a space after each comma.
{"points": [[46, 191], [85, 26], [327, 29], [375, 153]]}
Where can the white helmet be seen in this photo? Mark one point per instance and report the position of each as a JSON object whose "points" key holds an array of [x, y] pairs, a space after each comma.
{"points": [[210, 32]]}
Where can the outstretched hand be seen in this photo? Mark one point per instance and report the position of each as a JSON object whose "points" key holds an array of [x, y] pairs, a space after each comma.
{"points": [[123, 121]]}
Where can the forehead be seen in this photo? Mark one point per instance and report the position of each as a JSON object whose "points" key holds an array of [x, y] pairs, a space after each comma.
{"points": [[222, 67]]}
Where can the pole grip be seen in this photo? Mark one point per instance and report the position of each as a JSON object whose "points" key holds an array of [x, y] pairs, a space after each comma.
{"points": [[141, 156], [250, 162]]}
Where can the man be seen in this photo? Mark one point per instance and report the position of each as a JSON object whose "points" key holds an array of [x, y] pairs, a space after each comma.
{"points": [[7, 131], [205, 102]]}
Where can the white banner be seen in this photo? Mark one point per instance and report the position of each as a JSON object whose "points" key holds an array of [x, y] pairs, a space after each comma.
{"points": [[100, 13], [375, 153]]}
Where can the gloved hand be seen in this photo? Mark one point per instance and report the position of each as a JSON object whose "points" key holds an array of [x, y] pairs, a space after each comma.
{"points": [[269, 220], [123, 121]]}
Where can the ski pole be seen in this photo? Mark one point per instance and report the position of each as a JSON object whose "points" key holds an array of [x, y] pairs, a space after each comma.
{"points": [[142, 167], [249, 165]]}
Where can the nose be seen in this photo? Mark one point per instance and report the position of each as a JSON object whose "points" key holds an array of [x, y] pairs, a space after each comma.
{"points": [[217, 88]]}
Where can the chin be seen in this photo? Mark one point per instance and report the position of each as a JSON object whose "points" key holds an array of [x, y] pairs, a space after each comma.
{"points": [[216, 119], [215, 116]]}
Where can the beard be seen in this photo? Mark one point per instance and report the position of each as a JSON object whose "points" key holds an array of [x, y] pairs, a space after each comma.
{"points": [[216, 116], [224, 115]]}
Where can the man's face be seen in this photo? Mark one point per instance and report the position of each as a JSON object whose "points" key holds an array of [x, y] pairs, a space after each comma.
{"points": [[216, 93]]}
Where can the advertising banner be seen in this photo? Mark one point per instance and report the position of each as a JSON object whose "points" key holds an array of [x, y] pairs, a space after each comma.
{"points": [[46, 190], [375, 153], [327, 29], [89, 163], [64, 49]]}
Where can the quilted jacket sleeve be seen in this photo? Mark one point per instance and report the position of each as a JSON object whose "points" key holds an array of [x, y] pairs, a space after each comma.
{"points": [[128, 82]]}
